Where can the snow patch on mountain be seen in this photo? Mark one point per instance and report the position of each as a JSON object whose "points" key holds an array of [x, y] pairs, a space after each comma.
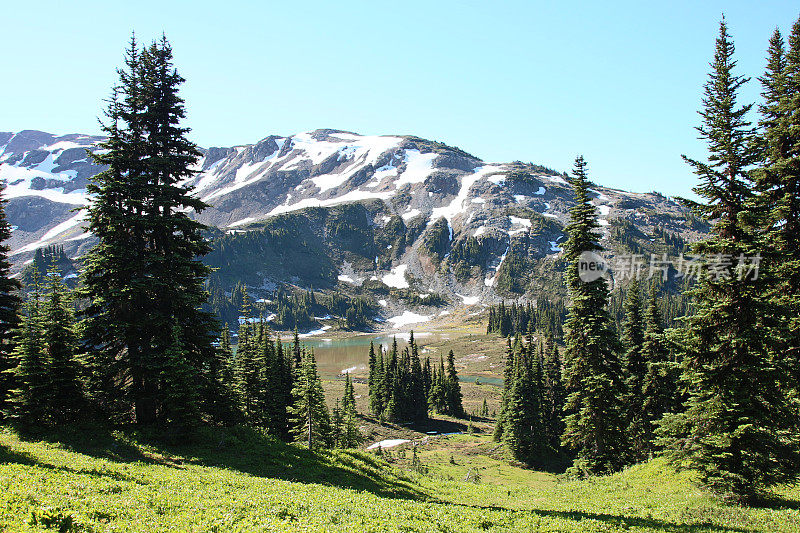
{"points": [[456, 206], [418, 167], [407, 318], [396, 277]]}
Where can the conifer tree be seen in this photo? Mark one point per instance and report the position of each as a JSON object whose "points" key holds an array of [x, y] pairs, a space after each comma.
{"points": [[594, 421], [28, 402], [438, 396], [9, 309], [418, 397], [272, 403], [310, 418], [508, 382], [660, 386], [553, 396], [286, 385], [632, 339], [144, 274], [524, 431], [372, 366], [453, 394], [351, 435], [345, 425], [349, 398], [427, 378], [337, 425], [375, 381], [250, 368], [296, 349], [775, 211], [399, 384], [65, 399], [180, 398], [738, 429], [221, 401]]}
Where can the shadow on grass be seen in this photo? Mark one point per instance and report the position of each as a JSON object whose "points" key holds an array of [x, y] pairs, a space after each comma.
{"points": [[8, 455], [238, 449], [622, 521], [436, 426], [246, 450], [776, 503]]}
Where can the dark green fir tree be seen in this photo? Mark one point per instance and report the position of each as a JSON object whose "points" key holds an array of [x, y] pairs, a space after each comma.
{"points": [[738, 429], [9, 309], [553, 396], [29, 400], [524, 432], [632, 339], [59, 340], [144, 275], [453, 395], [776, 208], [660, 383], [180, 398], [310, 418], [595, 415]]}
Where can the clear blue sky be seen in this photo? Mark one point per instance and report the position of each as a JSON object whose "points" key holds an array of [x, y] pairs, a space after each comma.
{"points": [[619, 82]]}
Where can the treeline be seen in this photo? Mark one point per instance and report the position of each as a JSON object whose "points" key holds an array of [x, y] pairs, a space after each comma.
{"points": [[133, 344], [532, 404], [44, 260], [289, 310], [517, 319], [718, 392], [672, 299], [277, 388], [401, 388], [531, 419], [45, 386]]}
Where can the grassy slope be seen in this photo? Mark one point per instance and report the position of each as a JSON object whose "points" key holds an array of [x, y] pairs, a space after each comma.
{"points": [[240, 482]]}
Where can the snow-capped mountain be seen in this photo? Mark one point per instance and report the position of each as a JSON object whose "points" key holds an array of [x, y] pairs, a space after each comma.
{"points": [[422, 182]]}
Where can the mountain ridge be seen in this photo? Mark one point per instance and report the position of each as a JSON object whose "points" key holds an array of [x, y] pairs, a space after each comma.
{"points": [[433, 217]]}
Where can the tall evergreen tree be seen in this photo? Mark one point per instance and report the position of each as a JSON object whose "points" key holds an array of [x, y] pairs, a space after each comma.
{"points": [[29, 399], [398, 384], [9, 308], [180, 395], [348, 435], [553, 396], [453, 396], [349, 398], [223, 403], [438, 396], [250, 378], [524, 431], [508, 382], [427, 378], [351, 435], [144, 276], [738, 429], [594, 421], [285, 391], [776, 208], [65, 399], [337, 426], [660, 386], [310, 417], [632, 339]]}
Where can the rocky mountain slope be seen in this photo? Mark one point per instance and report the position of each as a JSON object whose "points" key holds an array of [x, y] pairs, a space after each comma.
{"points": [[331, 208]]}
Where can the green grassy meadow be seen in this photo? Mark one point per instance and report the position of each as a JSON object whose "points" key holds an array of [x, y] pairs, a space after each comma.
{"points": [[237, 480]]}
